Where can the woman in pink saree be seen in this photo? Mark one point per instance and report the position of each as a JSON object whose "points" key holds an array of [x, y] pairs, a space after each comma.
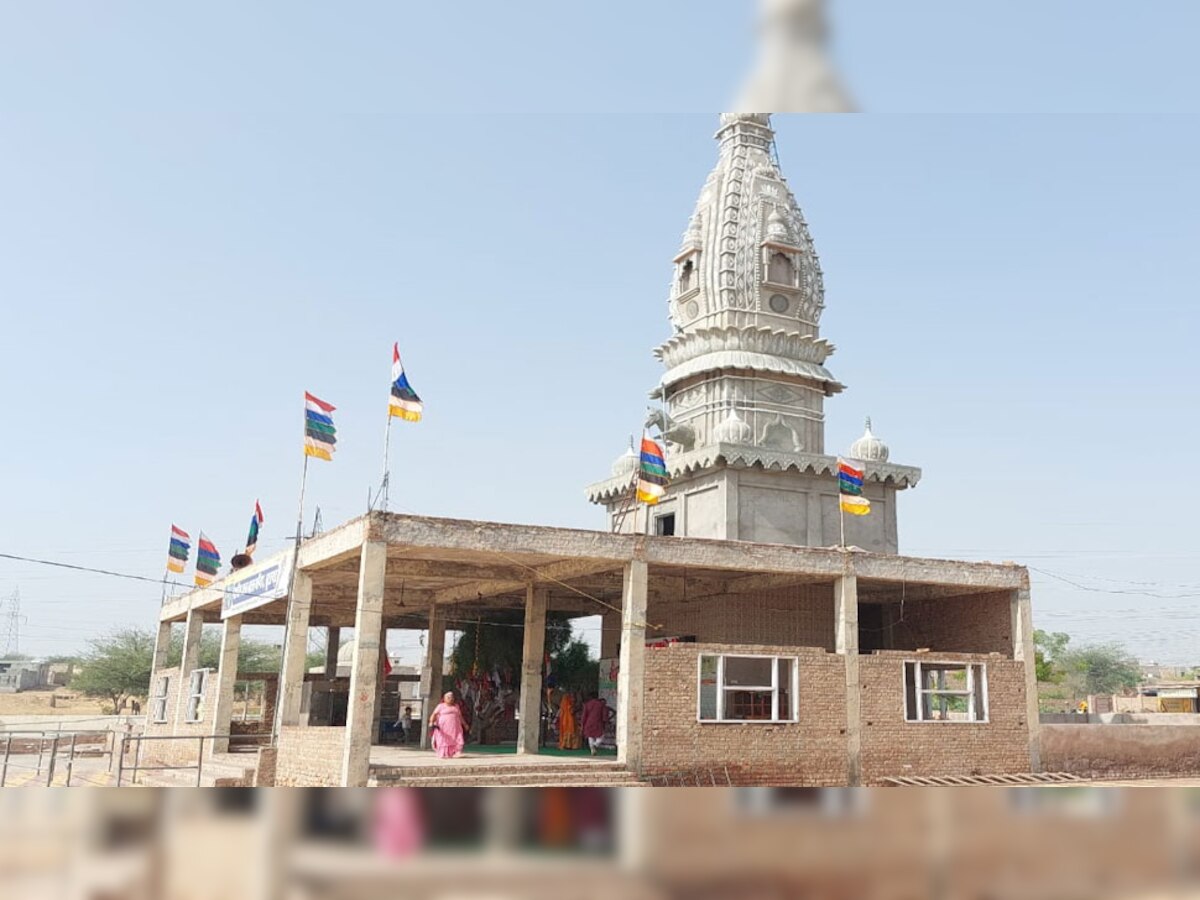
{"points": [[447, 725]]}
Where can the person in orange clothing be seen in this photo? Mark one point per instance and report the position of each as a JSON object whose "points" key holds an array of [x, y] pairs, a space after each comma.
{"points": [[568, 726]]}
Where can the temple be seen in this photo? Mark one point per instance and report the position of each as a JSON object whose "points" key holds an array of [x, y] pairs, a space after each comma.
{"points": [[744, 641]]}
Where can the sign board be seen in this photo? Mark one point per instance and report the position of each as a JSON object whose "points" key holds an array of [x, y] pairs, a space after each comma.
{"points": [[256, 586]]}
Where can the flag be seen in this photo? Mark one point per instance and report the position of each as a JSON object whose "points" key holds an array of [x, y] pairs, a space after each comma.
{"points": [[256, 521], [851, 475], [177, 554], [404, 402], [208, 561], [652, 472], [319, 433]]}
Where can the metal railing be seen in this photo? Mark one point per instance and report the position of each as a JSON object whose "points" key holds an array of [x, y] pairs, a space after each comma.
{"points": [[201, 739], [78, 742]]}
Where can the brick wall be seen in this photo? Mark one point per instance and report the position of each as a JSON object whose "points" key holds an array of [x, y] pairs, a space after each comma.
{"points": [[980, 623], [1121, 750], [801, 617], [891, 746], [309, 756], [811, 751]]}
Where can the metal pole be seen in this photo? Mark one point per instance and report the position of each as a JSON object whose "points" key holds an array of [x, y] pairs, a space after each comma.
{"points": [[71, 761], [200, 762], [41, 749], [4, 767], [387, 442], [137, 755], [53, 756], [120, 758]]}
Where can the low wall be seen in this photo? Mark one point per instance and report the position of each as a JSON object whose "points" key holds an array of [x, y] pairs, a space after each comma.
{"points": [[309, 756], [1121, 750], [811, 751]]}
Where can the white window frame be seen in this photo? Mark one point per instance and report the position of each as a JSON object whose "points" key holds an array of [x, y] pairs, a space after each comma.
{"points": [[916, 716], [194, 714], [773, 687], [158, 703]]}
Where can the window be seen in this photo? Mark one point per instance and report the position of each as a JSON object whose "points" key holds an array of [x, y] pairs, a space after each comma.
{"points": [[747, 689], [781, 270], [195, 704], [945, 692], [686, 272], [158, 703], [664, 526]]}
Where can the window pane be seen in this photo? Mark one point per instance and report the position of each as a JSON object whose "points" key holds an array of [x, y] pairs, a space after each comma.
{"points": [[980, 697], [708, 688], [753, 705], [945, 707], [785, 690], [944, 678], [749, 671], [910, 691]]}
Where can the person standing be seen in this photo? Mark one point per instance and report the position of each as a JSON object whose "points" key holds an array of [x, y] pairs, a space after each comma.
{"points": [[448, 727], [568, 727], [594, 719], [405, 724]]}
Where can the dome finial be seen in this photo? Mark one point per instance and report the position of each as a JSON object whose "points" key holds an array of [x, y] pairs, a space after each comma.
{"points": [[869, 448]]}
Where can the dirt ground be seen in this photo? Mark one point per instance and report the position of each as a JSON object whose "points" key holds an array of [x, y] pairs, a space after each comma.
{"points": [[37, 703]]}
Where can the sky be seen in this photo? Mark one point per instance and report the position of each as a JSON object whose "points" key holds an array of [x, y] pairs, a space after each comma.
{"points": [[204, 214]]}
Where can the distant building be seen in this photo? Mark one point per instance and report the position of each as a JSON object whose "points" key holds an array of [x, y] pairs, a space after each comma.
{"points": [[18, 675]]}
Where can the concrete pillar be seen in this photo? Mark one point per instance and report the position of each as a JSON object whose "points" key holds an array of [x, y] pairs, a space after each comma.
{"points": [[162, 646], [532, 656], [190, 660], [333, 642], [366, 667], [845, 595], [1023, 651], [631, 678], [222, 719], [295, 651], [431, 671], [610, 633]]}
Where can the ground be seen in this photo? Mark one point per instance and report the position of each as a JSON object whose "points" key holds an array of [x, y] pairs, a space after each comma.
{"points": [[37, 703]]}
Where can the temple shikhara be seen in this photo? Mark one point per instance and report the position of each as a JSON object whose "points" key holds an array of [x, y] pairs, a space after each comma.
{"points": [[752, 632]]}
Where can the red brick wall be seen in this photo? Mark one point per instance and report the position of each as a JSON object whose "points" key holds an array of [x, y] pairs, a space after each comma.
{"points": [[981, 623], [893, 747], [800, 616], [309, 756], [809, 752]]}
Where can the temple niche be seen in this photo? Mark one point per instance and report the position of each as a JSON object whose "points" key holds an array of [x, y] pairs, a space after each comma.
{"points": [[746, 372]]}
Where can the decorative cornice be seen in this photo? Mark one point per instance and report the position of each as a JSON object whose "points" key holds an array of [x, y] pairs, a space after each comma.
{"points": [[753, 339], [716, 456]]}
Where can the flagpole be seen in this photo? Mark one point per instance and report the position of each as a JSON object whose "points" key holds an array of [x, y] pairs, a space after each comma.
{"points": [[387, 443]]}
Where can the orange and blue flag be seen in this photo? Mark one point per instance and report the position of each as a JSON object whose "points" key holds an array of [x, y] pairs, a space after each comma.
{"points": [[652, 472], [851, 475]]}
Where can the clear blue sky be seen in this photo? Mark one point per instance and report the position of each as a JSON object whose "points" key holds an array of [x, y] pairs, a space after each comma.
{"points": [[201, 217]]}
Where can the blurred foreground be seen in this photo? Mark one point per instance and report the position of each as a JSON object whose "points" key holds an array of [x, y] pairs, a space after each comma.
{"points": [[501, 843]]}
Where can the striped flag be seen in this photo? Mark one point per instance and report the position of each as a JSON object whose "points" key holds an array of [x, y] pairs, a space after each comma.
{"points": [[177, 554], [404, 402], [851, 475], [319, 434], [208, 561], [652, 472], [256, 521]]}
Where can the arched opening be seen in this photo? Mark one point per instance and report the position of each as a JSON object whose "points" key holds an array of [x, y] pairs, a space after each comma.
{"points": [[781, 270], [687, 273]]}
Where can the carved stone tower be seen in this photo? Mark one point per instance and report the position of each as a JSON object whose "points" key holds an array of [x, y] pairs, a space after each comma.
{"points": [[745, 384]]}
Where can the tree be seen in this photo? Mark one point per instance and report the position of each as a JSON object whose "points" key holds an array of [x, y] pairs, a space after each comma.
{"points": [[498, 646], [1050, 647], [116, 666], [1101, 669]]}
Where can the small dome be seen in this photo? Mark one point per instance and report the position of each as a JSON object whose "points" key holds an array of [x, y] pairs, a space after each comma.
{"points": [[626, 464], [777, 227], [734, 430], [869, 448]]}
